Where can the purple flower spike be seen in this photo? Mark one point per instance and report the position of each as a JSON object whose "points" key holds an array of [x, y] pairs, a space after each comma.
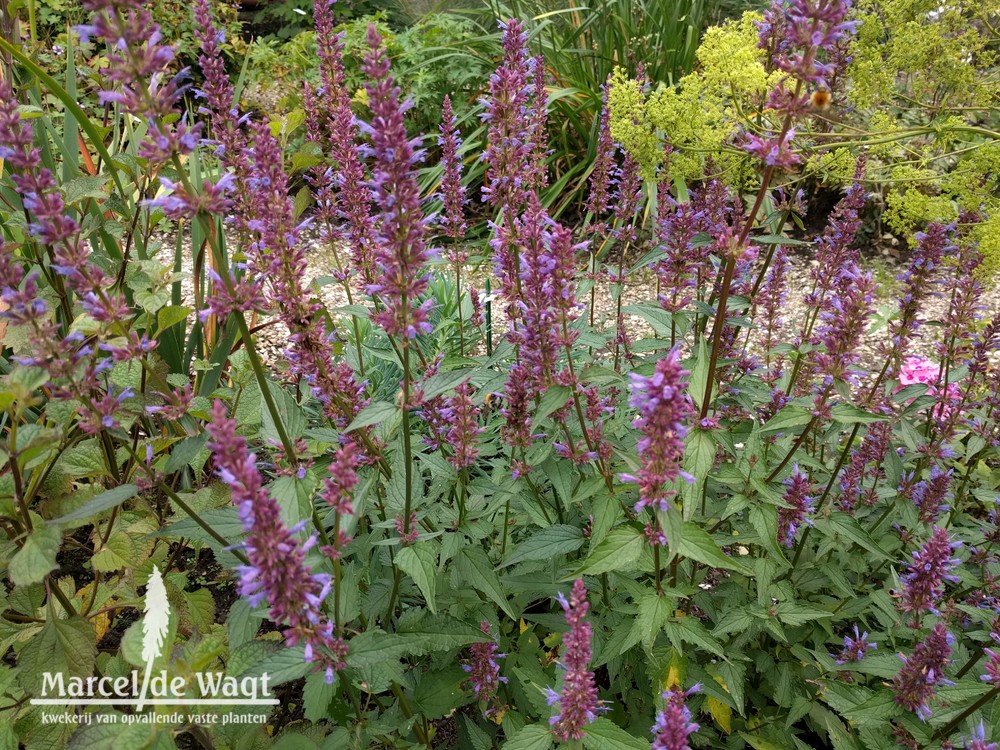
{"points": [[578, 703], [484, 672], [401, 256], [923, 671], [276, 572], [673, 724], [604, 164], [855, 648], [992, 674], [663, 409], [798, 496], [923, 583], [452, 194], [978, 740], [508, 141]]}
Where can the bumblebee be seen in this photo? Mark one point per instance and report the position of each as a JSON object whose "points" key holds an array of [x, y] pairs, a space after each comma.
{"points": [[820, 99]]}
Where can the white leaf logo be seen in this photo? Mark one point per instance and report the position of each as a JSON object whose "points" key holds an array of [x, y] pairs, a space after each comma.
{"points": [[154, 626]]}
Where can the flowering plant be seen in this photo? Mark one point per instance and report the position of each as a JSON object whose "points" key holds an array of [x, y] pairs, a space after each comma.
{"points": [[470, 506]]}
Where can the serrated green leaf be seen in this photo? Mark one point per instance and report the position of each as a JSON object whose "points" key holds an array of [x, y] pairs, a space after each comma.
{"points": [[87, 186], [696, 544], [96, 505], [476, 569], [654, 611], [604, 734], [793, 614], [878, 708], [850, 414], [788, 418], [620, 550], [443, 382], [530, 737], [546, 544], [316, 696], [37, 557], [282, 666], [172, 315], [554, 398], [376, 412], [847, 526], [420, 563]]}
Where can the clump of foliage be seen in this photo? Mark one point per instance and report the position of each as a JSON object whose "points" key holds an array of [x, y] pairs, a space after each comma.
{"points": [[419, 61], [447, 517]]}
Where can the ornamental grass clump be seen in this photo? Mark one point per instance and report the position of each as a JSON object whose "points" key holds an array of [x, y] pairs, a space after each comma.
{"points": [[458, 459]]}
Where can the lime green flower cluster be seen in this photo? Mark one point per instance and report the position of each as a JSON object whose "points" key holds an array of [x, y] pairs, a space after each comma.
{"points": [[699, 115], [930, 52]]}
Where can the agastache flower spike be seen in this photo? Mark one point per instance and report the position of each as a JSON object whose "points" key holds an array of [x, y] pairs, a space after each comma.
{"points": [[538, 120], [484, 671], [354, 196], [923, 583], [452, 193], [978, 740], [401, 256], [673, 724], [137, 62], [604, 164], [508, 143], [578, 703], [464, 429], [992, 672], [917, 281], [276, 572], [923, 671], [663, 409], [797, 495], [855, 648]]}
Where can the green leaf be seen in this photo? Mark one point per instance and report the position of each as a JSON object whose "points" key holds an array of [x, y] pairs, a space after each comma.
{"points": [[778, 239], [439, 633], [226, 521], [620, 550], [555, 398], [878, 708], [696, 544], [444, 382], [440, 692], [604, 734], [376, 412], [282, 666], [699, 454], [420, 563], [85, 187], [847, 526], [793, 614], [691, 630], [96, 505], [185, 452], [171, 316], [289, 412], [37, 558], [699, 374], [654, 611], [789, 417], [241, 624], [545, 544], [530, 737], [850, 414], [316, 696], [425, 634], [476, 569]]}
